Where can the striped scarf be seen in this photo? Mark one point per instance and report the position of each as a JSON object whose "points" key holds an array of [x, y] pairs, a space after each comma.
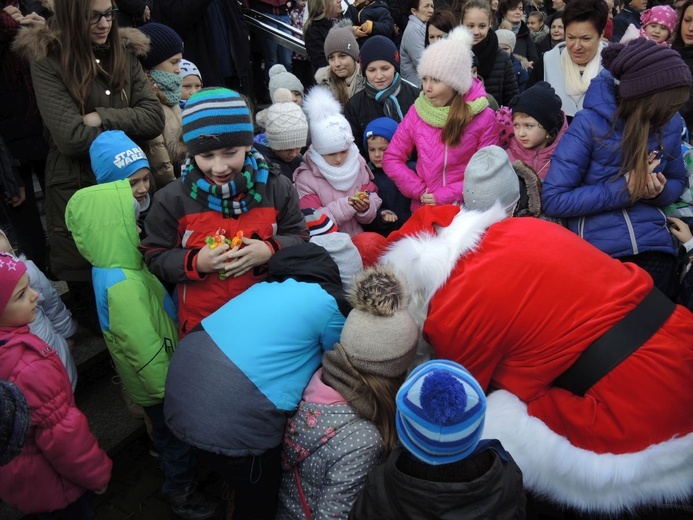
{"points": [[243, 193]]}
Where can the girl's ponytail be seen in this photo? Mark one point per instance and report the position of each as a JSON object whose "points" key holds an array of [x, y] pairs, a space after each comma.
{"points": [[458, 118]]}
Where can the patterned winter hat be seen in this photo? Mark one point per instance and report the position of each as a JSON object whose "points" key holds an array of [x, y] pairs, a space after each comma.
{"points": [[642, 68], [164, 43], [440, 412], [318, 223], [279, 77], [114, 157], [11, 270], [285, 123], [450, 60], [188, 68], [341, 39], [330, 132], [15, 419], [490, 177], [662, 14], [216, 118]]}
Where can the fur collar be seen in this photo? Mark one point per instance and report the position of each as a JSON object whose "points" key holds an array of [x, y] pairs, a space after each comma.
{"points": [[532, 188], [38, 42]]}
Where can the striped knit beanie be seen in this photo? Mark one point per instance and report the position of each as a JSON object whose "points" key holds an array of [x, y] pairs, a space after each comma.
{"points": [[216, 118], [440, 412]]}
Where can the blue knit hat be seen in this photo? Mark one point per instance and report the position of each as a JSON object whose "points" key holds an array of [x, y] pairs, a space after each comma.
{"points": [[114, 157], [381, 127], [440, 412], [216, 118], [164, 43]]}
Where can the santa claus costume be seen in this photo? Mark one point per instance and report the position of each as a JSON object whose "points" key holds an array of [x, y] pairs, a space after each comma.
{"points": [[517, 301]]}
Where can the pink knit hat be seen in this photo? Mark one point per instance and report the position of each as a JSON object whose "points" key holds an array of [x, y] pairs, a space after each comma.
{"points": [[663, 14], [450, 60], [11, 270]]}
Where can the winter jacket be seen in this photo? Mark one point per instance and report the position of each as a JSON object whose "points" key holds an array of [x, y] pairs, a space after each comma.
{"points": [[393, 201], [136, 314], [192, 20], [524, 45], [358, 82], [317, 193], [62, 458], [582, 184], [376, 12], [391, 494], [262, 348], [538, 37], [178, 225], [315, 42], [287, 168], [486, 308], [412, 46], [167, 151], [135, 110], [362, 109], [333, 449], [554, 75], [537, 160], [686, 111], [521, 74], [622, 20], [440, 168], [501, 82], [130, 12], [53, 322]]}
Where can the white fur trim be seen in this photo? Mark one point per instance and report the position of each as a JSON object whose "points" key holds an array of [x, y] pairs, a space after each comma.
{"points": [[563, 473]]}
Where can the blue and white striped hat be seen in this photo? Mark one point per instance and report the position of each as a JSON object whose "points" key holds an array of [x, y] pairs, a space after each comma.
{"points": [[216, 118], [440, 412]]}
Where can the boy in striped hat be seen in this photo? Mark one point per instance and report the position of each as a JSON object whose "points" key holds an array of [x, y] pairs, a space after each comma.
{"points": [[227, 188]]}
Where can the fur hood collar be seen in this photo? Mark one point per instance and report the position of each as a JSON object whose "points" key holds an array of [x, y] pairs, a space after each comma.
{"points": [[530, 199], [38, 42]]}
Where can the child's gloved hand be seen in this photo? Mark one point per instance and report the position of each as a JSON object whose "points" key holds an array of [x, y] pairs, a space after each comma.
{"points": [[253, 253]]}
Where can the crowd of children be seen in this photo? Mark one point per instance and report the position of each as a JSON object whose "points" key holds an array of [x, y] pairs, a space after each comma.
{"points": [[230, 254]]}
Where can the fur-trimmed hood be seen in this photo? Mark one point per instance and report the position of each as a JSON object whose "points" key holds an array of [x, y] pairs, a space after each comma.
{"points": [[530, 197], [38, 42]]}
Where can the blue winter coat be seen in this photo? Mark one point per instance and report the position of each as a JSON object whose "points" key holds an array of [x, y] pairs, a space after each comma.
{"points": [[581, 185]]}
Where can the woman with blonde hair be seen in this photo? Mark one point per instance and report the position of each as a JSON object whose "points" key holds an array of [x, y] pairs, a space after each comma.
{"points": [[345, 424]]}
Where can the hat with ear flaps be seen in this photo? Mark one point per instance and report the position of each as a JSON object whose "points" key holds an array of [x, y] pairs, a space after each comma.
{"points": [[450, 60], [379, 336], [643, 68]]}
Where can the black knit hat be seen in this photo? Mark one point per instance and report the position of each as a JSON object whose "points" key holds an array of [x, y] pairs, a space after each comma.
{"points": [[164, 43], [540, 102], [378, 48], [15, 420], [216, 118]]}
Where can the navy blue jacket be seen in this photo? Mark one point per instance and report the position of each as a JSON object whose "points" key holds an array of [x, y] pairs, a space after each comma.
{"points": [[581, 185]]}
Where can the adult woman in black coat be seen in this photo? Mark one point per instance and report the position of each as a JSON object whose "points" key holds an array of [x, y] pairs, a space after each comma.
{"points": [[510, 12], [683, 44]]}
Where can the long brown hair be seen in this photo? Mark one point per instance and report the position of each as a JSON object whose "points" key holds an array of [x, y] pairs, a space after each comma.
{"points": [[316, 11], [77, 55], [379, 394], [641, 116], [458, 118]]}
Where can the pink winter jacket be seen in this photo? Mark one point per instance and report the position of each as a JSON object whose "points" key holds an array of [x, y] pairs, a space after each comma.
{"points": [[538, 160], [61, 458], [316, 193], [439, 168]]}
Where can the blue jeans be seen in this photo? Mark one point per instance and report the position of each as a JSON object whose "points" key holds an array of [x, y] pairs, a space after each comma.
{"points": [[177, 459], [80, 509], [273, 52]]}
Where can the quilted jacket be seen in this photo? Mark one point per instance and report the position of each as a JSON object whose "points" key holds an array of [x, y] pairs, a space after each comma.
{"points": [[583, 185], [135, 110], [440, 168]]}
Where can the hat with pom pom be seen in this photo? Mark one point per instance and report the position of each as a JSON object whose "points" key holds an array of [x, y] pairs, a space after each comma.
{"points": [[440, 412], [330, 132], [642, 68], [449, 60], [279, 77], [285, 123]]}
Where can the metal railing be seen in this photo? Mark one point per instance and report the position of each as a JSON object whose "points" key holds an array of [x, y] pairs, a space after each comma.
{"points": [[289, 36]]}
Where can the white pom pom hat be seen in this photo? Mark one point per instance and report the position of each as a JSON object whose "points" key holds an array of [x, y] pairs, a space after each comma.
{"points": [[450, 60], [330, 132]]}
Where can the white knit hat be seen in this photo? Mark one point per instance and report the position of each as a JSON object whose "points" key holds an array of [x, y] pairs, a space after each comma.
{"points": [[330, 132], [450, 60], [284, 122], [506, 37], [490, 177], [279, 77]]}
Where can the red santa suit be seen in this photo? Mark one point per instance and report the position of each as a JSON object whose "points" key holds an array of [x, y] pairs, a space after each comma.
{"points": [[516, 301]]}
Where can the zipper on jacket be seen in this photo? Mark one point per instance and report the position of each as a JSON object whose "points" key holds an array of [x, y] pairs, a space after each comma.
{"points": [[629, 224], [445, 164], [581, 227]]}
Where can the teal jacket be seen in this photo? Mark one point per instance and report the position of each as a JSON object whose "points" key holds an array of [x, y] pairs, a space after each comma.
{"points": [[137, 316]]}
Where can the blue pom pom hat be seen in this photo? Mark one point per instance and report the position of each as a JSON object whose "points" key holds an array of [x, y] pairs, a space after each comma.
{"points": [[440, 412]]}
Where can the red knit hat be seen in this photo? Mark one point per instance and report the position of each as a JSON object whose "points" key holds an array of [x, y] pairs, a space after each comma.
{"points": [[11, 270], [642, 68]]}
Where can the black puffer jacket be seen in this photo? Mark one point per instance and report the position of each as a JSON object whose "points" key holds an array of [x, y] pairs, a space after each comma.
{"points": [[391, 494], [501, 82], [361, 110], [524, 45], [315, 42]]}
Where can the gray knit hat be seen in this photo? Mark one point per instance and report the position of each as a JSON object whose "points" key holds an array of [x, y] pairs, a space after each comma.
{"points": [[343, 252], [341, 39], [506, 37], [279, 77], [285, 123], [490, 177]]}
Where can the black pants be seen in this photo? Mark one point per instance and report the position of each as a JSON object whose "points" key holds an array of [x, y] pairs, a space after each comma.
{"points": [[256, 481], [662, 267]]}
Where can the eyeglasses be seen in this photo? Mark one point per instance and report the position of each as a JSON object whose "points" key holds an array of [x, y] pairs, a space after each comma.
{"points": [[109, 16]]}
